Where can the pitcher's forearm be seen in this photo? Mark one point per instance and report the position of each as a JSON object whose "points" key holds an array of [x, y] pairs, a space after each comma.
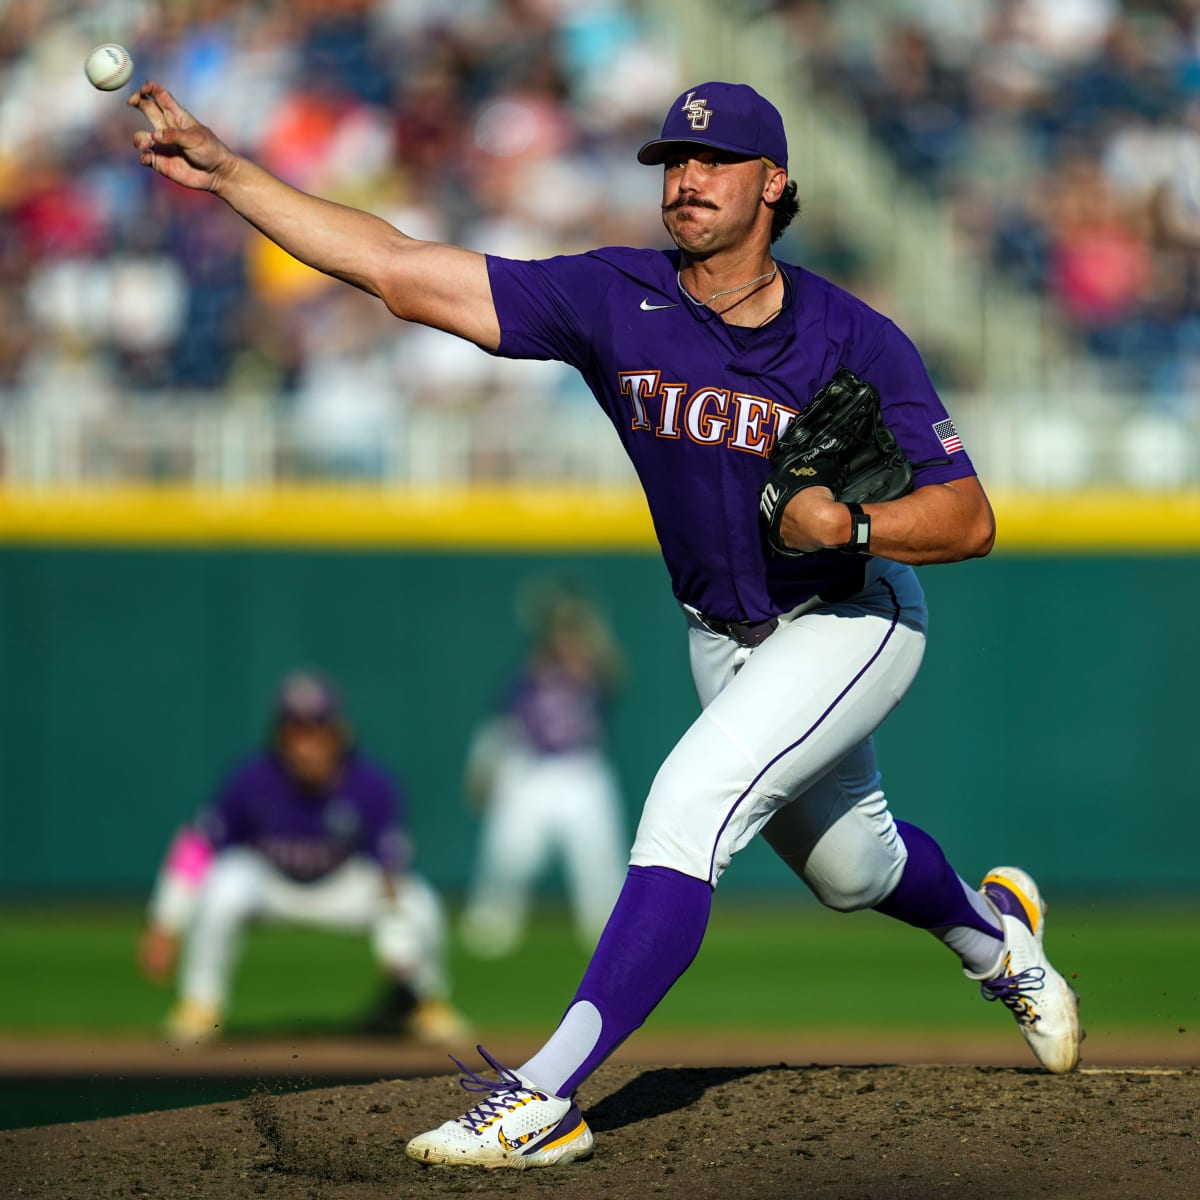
{"points": [[443, 286], [343, 242], [439, 285]]}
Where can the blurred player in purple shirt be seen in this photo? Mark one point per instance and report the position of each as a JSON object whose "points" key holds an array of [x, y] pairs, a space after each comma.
{"points": [[308, 830], [539, 774], [701, 355]]}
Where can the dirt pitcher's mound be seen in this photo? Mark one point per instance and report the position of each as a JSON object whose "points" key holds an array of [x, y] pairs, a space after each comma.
{"points": [[832, 1133]]}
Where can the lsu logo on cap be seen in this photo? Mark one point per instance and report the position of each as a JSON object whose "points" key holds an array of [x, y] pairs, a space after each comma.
{"points": [[697, 111]]}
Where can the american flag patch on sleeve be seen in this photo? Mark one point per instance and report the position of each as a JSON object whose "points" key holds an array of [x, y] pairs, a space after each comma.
{"points": [[948, 436]]}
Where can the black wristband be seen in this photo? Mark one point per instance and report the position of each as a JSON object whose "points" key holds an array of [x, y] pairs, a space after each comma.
{"points": [[860, 529]]}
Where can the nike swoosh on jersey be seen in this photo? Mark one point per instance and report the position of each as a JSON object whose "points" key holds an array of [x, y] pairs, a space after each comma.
{"points": [[646, 306]]}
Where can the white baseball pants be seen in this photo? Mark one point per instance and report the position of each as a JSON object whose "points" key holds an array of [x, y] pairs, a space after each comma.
{"points": [[408, 936], [543, 806], [783, 745]]}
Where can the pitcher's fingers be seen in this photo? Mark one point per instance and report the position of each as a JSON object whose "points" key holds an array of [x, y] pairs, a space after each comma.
{"points": [[177, 115], [144, 99]]}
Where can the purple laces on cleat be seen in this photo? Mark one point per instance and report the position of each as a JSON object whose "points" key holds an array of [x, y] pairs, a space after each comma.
{"points": [[481, 1115], [508, 1081], [1011, 991]]}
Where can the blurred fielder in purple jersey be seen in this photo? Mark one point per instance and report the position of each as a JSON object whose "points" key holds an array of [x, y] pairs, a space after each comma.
{"points": [[539, 774], [307, 831], [701, 355]]}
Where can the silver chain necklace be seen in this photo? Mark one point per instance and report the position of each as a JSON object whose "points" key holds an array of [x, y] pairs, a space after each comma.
{"points": [[770, 275]]}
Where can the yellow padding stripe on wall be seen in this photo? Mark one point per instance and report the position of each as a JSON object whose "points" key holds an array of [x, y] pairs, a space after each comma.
{"points": [[500, 519], [1098, 522], [508, 519]]}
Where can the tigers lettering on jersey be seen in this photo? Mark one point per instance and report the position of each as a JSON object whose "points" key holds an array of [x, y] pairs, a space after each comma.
{"points": [[709, 416], [699, 405]]}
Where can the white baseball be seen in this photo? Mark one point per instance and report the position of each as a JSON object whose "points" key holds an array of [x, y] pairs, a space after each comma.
{"points": [[109, 67]]}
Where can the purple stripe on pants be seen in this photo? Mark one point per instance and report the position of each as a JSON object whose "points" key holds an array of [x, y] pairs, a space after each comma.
{"points": [[887, 637]]}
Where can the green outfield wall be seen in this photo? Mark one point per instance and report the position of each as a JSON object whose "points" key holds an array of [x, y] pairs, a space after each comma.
{"points": [[1053, 722]]}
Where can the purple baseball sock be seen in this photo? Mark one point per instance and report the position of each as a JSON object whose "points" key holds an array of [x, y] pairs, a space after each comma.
{"points": [[651, 938], [930, 894]]}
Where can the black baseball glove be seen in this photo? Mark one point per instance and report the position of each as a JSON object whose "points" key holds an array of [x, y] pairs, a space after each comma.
{"points": [[838, 440]]}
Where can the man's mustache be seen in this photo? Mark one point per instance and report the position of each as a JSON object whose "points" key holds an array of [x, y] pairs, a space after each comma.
{"points": [[688, 202]]}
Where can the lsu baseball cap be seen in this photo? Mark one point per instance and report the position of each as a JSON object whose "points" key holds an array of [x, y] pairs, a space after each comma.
{"points": [[725, 116]]}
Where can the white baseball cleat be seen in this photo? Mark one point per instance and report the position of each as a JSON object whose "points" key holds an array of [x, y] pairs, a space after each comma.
{"points": [[1045, 1006], [515, 1126]]}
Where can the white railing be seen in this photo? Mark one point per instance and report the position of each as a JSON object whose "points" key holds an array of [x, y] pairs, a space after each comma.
{"points": [[1017, 441], [236, 445]]}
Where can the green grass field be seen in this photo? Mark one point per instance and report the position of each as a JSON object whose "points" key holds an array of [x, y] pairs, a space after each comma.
{"points": [[764, 967]]}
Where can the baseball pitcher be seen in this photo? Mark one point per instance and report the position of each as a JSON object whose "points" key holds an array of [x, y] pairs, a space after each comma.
{"points": [[805, 620]]}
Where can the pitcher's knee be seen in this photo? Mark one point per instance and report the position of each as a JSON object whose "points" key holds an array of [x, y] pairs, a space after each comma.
{"points": [[848, 882], [852, 894]]}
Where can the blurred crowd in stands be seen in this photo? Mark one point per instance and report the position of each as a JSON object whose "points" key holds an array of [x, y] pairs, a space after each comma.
{"points": [[505, 125], [1065, 134]]}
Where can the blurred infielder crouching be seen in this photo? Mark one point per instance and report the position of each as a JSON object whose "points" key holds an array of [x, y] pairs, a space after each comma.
{"points": [[538, 772], [308, 830]]}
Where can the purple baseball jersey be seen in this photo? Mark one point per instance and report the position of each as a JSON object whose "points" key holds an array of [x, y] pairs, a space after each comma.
{"points": [[556, 711], [305, 833], [698, 404]]}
